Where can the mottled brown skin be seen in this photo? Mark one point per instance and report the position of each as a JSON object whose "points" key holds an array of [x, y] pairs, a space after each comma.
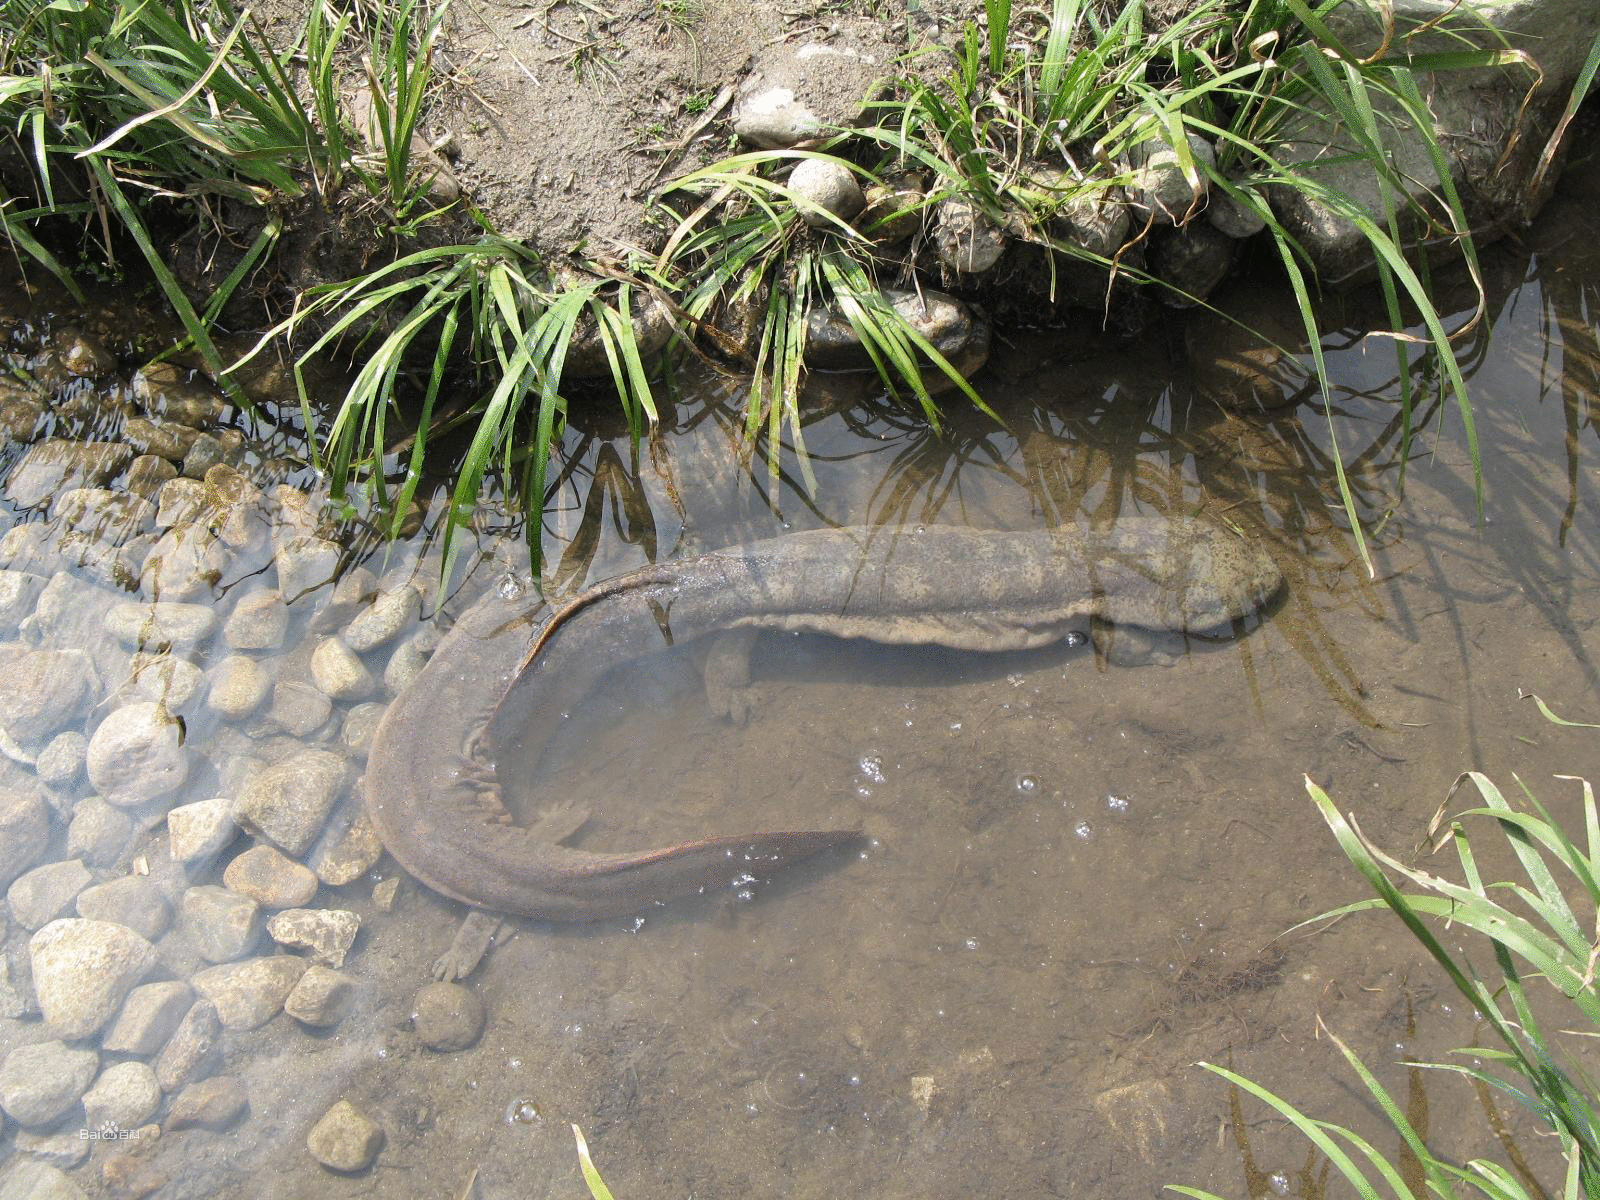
{"points": [[511, 666]]}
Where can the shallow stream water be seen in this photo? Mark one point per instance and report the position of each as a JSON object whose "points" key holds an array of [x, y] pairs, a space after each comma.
{"points": [[1080, 863]]}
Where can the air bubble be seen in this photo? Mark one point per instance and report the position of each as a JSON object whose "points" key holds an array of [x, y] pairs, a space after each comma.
{"points": [[524, 1112], [971, 943], [1117, 804], [871, 766], [1028, 785], [1278, 1181], [1083, 831]]}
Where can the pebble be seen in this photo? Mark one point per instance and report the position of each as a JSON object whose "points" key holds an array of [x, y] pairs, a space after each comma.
{"points": [[132, 1176], [338, 672], [185, 564], [248, 994], [390, 614], [206, 453], [299, 709], [24, 832], [348, 850], [131, 900], [201, 830], [41, 1082], [65, 1150], [447, 1016], [180, 502], [289, 803], [323, 997], [63, 757], [18, 591], [148, 474], [222, 924], [1160, 190], [174, 682], [164, 439], [360, 724], [46, 892], [106, 515], [383, 893], [192, 1048], [56, 464], [408, 659], [83, 970], [42, 690], [271, 878], [124, 1097], [150, 1015], [214, 1104], [137, 754], [305, 563], [797, 92], [823, 189], [258, 622], [166, 390], [99, 833], [32, 1180], [966, 240], [326, 933], [21, 418], [238, 685], [160, 625], [345, 1139], [1232, 217]]}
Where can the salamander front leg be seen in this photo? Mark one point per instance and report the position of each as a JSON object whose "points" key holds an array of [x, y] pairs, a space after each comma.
{"points": [[471, 943]]}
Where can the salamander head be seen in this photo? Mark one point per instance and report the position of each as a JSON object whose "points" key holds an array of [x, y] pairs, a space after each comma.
{"points": [[1186, 574]]}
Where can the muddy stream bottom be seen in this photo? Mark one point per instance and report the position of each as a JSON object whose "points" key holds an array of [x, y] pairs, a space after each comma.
{"points": [[1080, 865]]}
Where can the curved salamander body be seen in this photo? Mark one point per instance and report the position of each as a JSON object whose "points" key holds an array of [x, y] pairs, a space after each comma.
{"points": [[431, 785]]}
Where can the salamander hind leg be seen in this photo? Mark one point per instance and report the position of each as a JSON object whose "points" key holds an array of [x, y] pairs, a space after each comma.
{"points": [[727, 675]]}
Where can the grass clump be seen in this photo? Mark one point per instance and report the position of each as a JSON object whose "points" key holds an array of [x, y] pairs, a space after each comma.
{"points": [[1546, 928], [1039, 120]]}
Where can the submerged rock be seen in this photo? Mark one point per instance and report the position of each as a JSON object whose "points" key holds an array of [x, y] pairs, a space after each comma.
{"points": [[138, 754], [160, 625], [83, 970], [248, 994], [42, 690], [24, 832], [322, 998], [289, 803], [192, 1049], [174, 394], [326, 933], [125, 1096], [222, 924], [214, 1104], [41, 1082], [44, 893], [447, 1016], [56, 464], [150, 1015], [270, 878], [345, 1139]]}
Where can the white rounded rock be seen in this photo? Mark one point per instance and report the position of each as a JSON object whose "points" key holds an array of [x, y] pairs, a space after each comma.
{"points": [[137, 754], [83, 970], [822, 187]]}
